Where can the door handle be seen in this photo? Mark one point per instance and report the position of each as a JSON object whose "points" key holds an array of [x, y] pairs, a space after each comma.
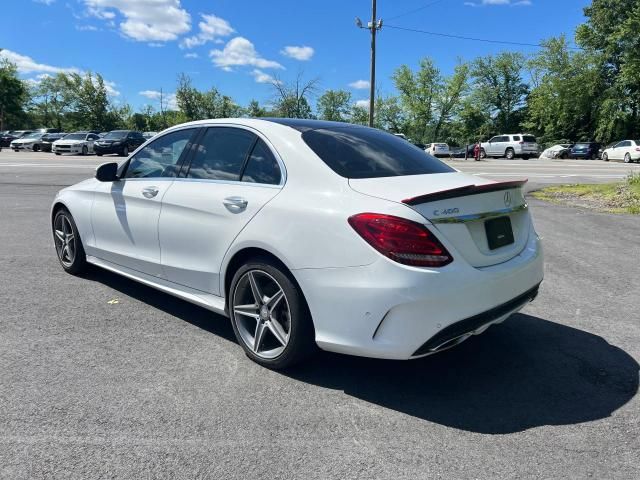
{"points": [[150, 192], [235, 203]]}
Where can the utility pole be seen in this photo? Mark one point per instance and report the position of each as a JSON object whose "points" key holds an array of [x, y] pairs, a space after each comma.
{"points": [[374, 25]]}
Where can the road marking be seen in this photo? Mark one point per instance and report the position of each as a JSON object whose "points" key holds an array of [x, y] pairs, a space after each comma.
{"points": [[40, 165]]}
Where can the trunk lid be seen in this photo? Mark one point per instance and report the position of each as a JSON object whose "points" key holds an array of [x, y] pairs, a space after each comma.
{"points": [[462, 209]]}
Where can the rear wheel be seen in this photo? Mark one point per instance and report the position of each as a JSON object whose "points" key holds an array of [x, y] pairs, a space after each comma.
{"points": [[36, 148], [58, 153], [269, 315], [525, 157], [99, 154], [509, 154], [68, 244]]}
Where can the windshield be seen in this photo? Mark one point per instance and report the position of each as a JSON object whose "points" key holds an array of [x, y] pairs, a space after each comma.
{"points": [[76, 136], [33, 135], [582, 145], [116, 135], [356, 152]]}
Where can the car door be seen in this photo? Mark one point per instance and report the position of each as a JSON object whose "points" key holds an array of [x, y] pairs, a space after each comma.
{"points": [[492, 147], [125, 213], [618, 151], [233, 173]]}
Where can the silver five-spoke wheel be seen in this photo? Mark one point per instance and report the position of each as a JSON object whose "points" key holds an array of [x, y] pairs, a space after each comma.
{"points": [[261, 314], [65, 240]]}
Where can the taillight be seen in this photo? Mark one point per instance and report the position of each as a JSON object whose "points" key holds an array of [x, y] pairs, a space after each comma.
{"points": [[401, 240]]}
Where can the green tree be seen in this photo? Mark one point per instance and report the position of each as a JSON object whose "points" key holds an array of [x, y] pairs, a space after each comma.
{"points": [[418, 93], [449, 97], [254, 110], [334, 105], [13, 95], [499, 85], [359, 114], [611, 32]]}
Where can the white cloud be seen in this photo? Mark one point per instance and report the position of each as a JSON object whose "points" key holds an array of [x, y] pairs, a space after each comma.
{"points": [[240, 51], [110, 87], [360, 84], [45, 2], [263, 77], [144, 20], [168, 99], [211, 29], [26, 64], [299, 53], [510, 3], [191, 55], [363, 103]]}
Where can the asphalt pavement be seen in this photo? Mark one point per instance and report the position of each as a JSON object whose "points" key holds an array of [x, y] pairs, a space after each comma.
{"points": [[101, 377]]}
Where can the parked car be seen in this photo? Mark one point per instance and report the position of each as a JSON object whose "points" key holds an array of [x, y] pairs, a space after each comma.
{"points": [[26, 142], [562, 150], [264, 227], [603, 148], [7, 138], [437, 149], [627, 150], [118, 141], [586, 150], [510, 146], [79, 143], [148, 135], [459, 152], [47, 140]]}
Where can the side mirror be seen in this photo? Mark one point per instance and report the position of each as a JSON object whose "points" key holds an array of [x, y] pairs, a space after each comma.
{"points": [[107, 172]]}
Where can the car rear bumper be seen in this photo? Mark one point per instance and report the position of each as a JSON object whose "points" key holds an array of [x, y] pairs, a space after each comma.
{"points": [[387, 310]]}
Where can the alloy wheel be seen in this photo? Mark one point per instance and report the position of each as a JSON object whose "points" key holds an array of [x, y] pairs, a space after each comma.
{"points": [[261, 313], [65, 240], [627, 158]]}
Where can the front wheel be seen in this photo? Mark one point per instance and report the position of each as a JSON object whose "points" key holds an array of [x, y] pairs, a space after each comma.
{"points": [[85, 150], [627, 158], [605, 157], [269, 315], [68, 244], [125, 151], [36, 148], [483, 154]]}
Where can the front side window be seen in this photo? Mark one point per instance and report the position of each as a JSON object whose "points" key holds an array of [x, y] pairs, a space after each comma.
{"points": [[221, 153], [358, 152], [161, 158], [262, 166]]}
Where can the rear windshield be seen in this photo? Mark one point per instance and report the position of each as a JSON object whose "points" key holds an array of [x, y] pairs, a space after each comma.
{"points": [[582, 145], [529, 139], [76, 136], [370, 153], [116, 134]]}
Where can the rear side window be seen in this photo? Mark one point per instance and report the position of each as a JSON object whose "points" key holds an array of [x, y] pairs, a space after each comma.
{"points": [[221, 153], [529, 139], [354, 152], [516, 138], [262, 167]]}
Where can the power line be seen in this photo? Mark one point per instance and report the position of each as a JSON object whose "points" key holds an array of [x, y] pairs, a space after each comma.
{"points": [[415, 10], [473, 39]]}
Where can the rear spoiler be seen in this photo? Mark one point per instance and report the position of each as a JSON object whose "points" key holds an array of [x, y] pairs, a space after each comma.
{"points": [[465, 191]]}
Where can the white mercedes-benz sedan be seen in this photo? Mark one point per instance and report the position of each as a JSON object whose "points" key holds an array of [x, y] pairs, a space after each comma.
{"points": [[308, 234]]}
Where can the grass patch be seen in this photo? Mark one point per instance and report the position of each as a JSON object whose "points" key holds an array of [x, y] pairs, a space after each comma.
{"points": [[622, 197]]}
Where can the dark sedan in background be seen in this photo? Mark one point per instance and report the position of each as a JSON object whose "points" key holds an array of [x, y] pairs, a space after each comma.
{"points": [[48, 139], [11, 135], [586, 150], [119, 141]]}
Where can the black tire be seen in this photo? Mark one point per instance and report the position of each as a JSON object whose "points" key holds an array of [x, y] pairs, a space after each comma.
{"points": [[78, 263], [605, 157], [125, 151], [525, 157], [483, 154], [36, 148], [301, 337], [509, 154], [58, 153], [99, 154], [85, 150], [627, 158]]}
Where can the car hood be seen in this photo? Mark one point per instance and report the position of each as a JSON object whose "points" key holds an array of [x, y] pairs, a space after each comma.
{"points": [[25, 140], [70, 142]]}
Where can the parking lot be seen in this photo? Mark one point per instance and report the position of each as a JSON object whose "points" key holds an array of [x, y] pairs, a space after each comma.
{"points": [[103, 377]]}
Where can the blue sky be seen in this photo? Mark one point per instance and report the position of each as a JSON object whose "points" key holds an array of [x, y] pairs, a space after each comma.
{"points": [[140, 46]]}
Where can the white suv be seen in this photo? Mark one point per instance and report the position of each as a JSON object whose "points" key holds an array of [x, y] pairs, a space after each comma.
{"points": [[510, 146]]}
